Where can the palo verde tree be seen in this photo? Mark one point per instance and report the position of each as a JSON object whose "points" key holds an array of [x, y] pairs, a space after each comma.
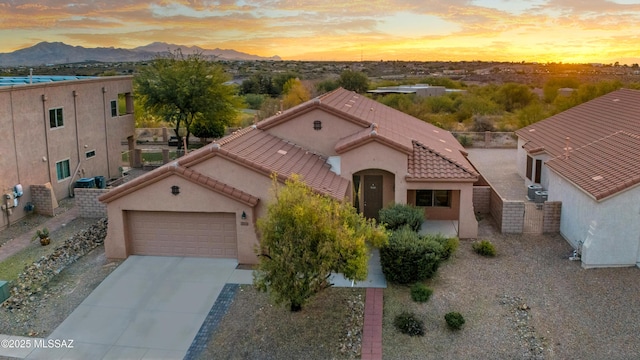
{"points": [[305, 237], [188, 90], [354, 81]]}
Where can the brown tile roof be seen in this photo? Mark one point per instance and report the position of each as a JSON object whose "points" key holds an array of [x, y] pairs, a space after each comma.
{"points": [[266, 153], [603, 167], [612, 122], [585, 123], [426, 164], [392, 127], [174, 169]]}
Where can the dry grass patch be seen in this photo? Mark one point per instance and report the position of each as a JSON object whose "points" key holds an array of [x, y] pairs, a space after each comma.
{"points": [[253, 328]]}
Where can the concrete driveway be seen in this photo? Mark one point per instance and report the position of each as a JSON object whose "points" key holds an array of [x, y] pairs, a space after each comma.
{"points": [[150, 307]]}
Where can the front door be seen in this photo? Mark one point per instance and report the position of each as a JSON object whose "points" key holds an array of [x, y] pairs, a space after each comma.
{"points": [[372, 194]]}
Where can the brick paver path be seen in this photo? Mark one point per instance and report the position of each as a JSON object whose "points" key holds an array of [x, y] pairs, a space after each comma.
{"points": [[372, 332]]}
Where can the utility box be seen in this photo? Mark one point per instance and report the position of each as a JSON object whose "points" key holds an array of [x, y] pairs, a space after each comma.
{"points": [[4, 291]]}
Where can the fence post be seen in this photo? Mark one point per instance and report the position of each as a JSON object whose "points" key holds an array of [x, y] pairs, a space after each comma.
{"points": [[165, 156], [137, 158]]}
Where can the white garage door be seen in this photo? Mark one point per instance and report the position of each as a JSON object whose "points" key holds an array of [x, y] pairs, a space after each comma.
{"points": [[182, 234]]}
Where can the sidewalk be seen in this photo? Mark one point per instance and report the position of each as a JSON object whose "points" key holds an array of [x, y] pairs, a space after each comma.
{"points": [[13, 246]]}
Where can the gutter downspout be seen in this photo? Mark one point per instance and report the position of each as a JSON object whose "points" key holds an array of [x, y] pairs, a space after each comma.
{"points": [[46, 136], [106, 129], [75, 115]]}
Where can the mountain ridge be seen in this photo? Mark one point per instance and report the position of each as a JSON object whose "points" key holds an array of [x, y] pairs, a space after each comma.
{"points": [[55, 53]]}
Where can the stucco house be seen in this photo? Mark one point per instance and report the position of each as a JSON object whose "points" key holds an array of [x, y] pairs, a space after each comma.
{"points": [[343, 144], [588, 158], [56, 130]]}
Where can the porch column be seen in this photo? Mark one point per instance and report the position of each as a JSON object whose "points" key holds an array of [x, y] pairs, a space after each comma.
{"points": [[467, 223]]}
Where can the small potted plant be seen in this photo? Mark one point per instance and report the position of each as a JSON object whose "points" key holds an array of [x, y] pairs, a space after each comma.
{"points": [[43, 235]]}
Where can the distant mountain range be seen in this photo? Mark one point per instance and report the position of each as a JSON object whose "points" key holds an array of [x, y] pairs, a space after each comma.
{"points": [[60, 53]]}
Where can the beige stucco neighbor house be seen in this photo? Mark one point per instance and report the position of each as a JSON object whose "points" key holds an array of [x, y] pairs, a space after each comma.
{"points": [[56, 130], [342, 144], [588, 158]]}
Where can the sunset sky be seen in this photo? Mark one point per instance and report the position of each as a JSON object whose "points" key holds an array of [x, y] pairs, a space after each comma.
{"points": [[581, 31]]}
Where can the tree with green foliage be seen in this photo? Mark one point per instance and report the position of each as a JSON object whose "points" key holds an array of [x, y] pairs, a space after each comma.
{"points": [[295, 93], [305, 237], [185, 90], [354, 81], [514, 96]]}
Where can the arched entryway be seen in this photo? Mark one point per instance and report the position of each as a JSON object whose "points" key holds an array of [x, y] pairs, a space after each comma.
{"points": [[373, 189]]}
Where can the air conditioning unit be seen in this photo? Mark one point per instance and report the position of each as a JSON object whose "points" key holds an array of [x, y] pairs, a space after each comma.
{"points": [[541, 197]]}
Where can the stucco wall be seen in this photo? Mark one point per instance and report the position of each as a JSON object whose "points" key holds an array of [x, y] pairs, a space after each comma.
{"points": [[31, 148], [300, 131], [610, 229], [374, 155], [192, 198]]}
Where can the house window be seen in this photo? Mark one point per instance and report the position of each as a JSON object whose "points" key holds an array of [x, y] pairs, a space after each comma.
{"points": [[433, 198], [90, 154], [62, 170], [114, 108], [55, 118], [529, 167], [317, 125]]}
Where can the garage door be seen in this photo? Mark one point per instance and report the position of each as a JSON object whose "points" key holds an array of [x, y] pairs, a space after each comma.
{"points": [[182, 234]]}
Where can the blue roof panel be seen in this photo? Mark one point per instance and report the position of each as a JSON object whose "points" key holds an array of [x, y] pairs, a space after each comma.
{"points": [[38, 79]]}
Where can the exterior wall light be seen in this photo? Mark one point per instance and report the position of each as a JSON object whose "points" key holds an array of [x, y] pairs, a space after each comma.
{"points": [[243, 216]]}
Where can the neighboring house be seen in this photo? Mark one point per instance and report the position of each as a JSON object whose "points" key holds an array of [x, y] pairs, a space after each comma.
{"points": [[588, 157], [342, 144], [57, 130], [422, 90]]}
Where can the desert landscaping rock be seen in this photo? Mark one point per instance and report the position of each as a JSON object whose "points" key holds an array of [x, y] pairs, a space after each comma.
{"points": [[37, 275]]}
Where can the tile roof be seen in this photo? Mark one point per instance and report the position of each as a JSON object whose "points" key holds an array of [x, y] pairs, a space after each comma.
{"points": [[392, 127], [266, 153], [174, 169], [425, 164], [610, 122], [585, 123], [603, 167]]}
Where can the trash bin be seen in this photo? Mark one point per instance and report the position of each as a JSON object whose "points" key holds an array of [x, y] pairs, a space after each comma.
{"points": [[85, 183], [531, 192], [101, 183]]}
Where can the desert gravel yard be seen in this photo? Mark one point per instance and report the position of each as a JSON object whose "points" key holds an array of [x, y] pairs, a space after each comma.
{"points": [[529, 302]]}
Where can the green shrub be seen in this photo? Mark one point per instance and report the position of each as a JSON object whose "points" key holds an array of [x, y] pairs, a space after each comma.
{"points": [[408, 324], [465, 140], [399, 215], [484, 248], [421, 293], [409, 257], [454, 320], [449, 245]]}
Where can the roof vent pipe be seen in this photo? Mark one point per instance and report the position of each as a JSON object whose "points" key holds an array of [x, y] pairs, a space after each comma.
{"points": [[566, 148]]}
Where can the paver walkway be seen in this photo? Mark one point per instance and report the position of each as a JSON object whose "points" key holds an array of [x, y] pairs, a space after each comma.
{"points": [[372, 330]]}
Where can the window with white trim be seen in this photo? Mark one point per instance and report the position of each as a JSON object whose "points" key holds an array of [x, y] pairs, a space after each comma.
{"points": [[63, 170], [114, 108], [55, 118]]}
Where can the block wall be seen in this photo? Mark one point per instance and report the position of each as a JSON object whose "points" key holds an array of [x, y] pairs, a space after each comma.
{"points": [[43, 199], [552, 211], [482, 199], [512, 217], [88, 204]]}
